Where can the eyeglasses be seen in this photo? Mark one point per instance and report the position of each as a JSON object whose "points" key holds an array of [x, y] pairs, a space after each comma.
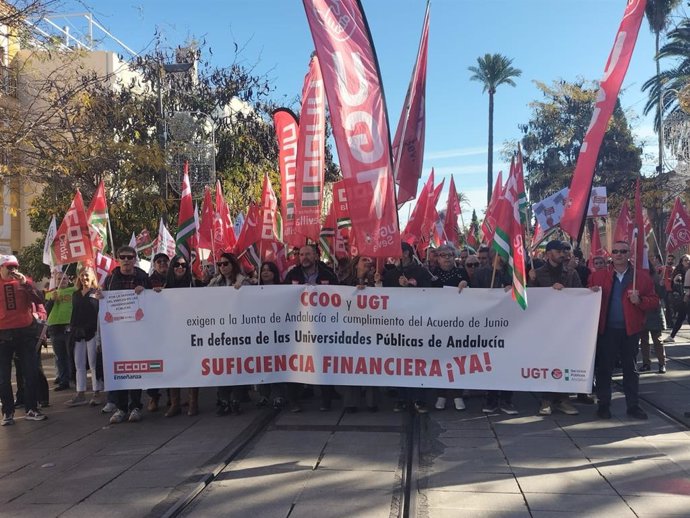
{"points": [[162, 261], [223, 263], [179, 265], [614, 251], [12, 268], [126, 257], [471, 265]]}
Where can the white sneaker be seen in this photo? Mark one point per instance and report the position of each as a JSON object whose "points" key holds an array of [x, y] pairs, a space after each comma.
{"points": [[35, 415], [545, 408], [135, 416], [440, 403], [77, 400], [117, 417], [669, 340], [459, 403], [7, 420], [109, 408]]}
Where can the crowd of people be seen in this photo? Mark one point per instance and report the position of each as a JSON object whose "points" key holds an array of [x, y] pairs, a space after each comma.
{"points": [[636, 305]]}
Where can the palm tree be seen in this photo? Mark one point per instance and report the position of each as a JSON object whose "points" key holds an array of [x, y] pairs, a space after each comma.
{"points": [[658, 15], [493, 70]]}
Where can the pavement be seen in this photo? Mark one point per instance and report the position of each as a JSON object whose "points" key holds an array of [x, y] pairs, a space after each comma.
{"points": [[334, 464]]}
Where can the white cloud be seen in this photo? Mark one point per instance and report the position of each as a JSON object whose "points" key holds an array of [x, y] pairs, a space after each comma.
{"points": [[454, 153]]}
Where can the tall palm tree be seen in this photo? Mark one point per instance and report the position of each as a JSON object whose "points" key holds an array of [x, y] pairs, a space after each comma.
{"points": [[658, 15], [492, 71]]}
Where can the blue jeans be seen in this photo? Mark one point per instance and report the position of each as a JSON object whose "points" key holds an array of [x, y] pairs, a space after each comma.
{"points": [[21, 341], [58, 336]]}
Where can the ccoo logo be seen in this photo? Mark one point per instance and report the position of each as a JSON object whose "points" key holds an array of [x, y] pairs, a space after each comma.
{"points": [[336, 19]]}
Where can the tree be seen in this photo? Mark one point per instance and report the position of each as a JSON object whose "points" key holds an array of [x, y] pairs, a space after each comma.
{"points": [[492, 71], [668, 89], [658, 14], [553, 137]]}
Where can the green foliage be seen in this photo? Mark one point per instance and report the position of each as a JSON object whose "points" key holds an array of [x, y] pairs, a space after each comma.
{"points": [[31, 260], [494, 70], [553, 137]]}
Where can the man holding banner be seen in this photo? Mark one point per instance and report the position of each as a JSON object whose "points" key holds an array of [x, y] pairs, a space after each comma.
{"points": [[627, 295]]}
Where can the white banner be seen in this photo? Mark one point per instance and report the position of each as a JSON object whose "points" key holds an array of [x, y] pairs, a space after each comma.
{"points": [[549, 211], [478, 339]]}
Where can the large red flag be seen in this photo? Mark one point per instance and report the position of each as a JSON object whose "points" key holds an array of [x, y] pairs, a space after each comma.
{"points": [[206, 221], [269, 211], [489, 223], [72, 243], [185, 240], [411, 125], [450, 225], [287, 132], [360, 123], [429, 234], [311, 155], [104, 264], [624, 225], [610, 85], [413, 229]]}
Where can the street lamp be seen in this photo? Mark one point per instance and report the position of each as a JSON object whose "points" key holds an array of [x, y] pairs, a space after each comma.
{"points": [[190, 140]]}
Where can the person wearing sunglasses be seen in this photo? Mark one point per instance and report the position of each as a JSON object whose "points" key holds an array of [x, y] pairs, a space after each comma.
{"points": [[448, 274], [557, 275], [161, 263], [180, 276], [126, 276], [624, 305], [17, 336], [229, 273]]}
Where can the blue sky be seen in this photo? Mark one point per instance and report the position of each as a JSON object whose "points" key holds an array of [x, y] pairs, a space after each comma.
{"points": [[548, 40]]}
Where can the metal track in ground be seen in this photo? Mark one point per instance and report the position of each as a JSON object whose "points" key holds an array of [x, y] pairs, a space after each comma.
{"points": [[403, 504]]}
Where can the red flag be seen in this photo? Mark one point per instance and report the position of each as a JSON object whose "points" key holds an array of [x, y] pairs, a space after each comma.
{"points": [[413, 229], [429, 233], [610, 85], [624, 225], [251, 230], [97, 216], [340, 207], [72, 243], [596, 249], [144, 243], [311, 155], [287, 131], [472, 236], [678, 227], [489, 223], [450, 226], [206, 222], [223, 228], [185, 241], [360, 125], [411, 125], [537, 236], [104, 264]]}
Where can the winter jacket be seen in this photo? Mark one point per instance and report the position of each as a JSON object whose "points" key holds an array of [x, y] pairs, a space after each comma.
{"points": [[116, 280], [634, 315], [324, 275]]}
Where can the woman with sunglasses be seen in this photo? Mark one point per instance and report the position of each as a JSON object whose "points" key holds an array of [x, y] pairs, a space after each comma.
{"points": [[275, 392], [180, 276], [681, 278], [229, 273], [83, 326], [362, 273]]}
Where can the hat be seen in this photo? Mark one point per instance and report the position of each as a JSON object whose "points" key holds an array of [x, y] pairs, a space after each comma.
{"points": [[8, 260], [160, 255], [554, 244]]}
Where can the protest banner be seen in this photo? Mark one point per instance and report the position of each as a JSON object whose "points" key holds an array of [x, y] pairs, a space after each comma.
{"points": [[478, 339]]}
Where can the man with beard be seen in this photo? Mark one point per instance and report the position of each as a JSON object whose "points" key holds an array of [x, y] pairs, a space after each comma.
{"points": [[554, 274]]}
